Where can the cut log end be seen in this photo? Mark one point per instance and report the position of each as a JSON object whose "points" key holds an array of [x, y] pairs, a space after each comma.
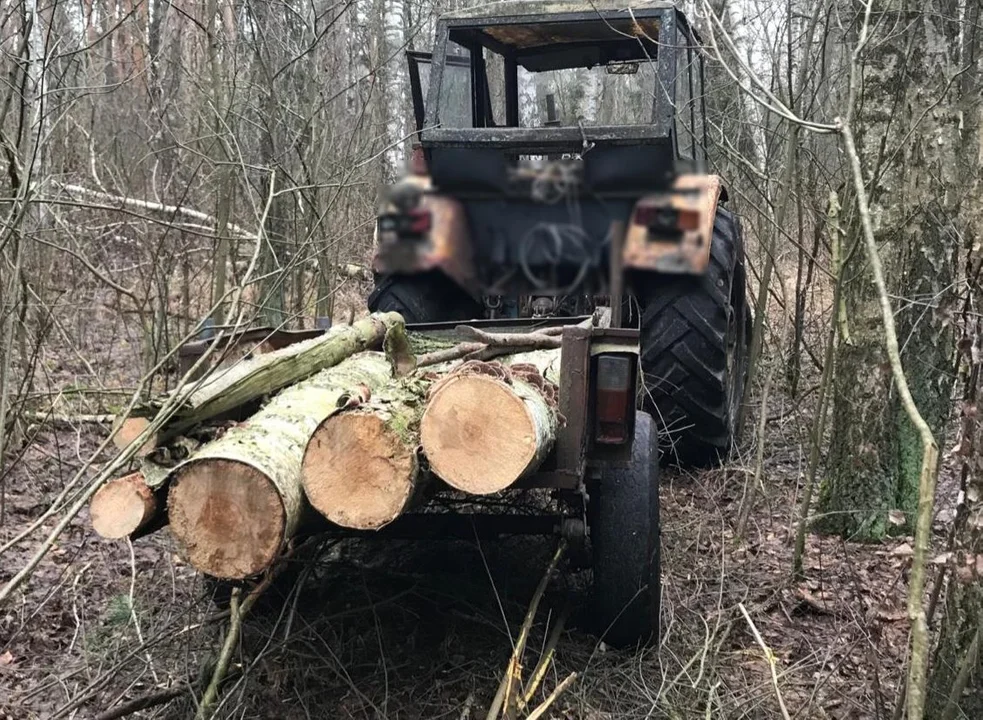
{"points": [[478, 435], [129, 430], [228, 517], [358, 472], [122, 506]]}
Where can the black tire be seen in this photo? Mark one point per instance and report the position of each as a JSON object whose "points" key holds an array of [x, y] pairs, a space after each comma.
{"points": [[423, 298], [623, 517], [694, 335]]}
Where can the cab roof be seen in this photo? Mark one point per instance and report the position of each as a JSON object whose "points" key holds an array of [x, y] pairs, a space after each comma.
{"points": [[514, 8]]}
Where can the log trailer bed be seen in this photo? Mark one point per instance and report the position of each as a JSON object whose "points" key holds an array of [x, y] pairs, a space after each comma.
{"points": [[601, 475]]}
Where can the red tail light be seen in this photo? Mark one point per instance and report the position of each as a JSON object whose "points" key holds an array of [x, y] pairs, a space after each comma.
{"points": [[615, 398], [418, 161], [660, 219], [420, 221]]}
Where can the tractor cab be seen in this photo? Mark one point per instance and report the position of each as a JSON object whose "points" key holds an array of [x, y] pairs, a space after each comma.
{"points": [[549, 136], [518, 83]]}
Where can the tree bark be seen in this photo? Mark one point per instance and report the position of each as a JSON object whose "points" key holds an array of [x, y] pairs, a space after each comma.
{"points": [[905, 137], [360, 467], [247, 381], [957, 670], [236, 502], [486, 425]]}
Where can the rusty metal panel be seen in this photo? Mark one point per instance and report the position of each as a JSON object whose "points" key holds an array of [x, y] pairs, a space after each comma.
{"points": [[574, 385], [447, 247], [690, 254]]}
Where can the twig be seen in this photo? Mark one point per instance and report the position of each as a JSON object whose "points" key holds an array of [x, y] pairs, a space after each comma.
{"points": [[237, 612], [69, 421], [449, 354], [548, 702], [918, 667], [142, 703], [770, 657], [969, 661], [544, 661], [533, 340], [514, 671], [485, 346]]}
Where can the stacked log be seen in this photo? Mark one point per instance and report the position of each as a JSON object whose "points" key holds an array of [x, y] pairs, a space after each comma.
{"points": [[356, 442], [123, 506], [230, 388], [360, 467], [487, 424], [236, 502]]}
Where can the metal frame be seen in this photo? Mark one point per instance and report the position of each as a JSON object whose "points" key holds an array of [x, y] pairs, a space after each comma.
{"points": [[549, 138]]}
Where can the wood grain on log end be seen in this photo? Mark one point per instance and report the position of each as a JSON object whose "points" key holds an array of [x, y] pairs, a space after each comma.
{"points": [[129, 430], [358, 471], [122, 506], [478, 434], [228, 517]]}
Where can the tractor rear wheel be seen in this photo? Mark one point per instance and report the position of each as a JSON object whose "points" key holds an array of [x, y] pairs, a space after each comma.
{"points": [[424, 298], [694, 345]]}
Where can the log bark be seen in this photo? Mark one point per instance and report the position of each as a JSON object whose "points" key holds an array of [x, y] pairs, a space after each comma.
{"points": [[486, 425], [360, 467], [230, 388], [235, 503], [123, 506]]}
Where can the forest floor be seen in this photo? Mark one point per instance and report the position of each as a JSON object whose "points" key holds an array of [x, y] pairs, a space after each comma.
{"points": [[425, 629]]}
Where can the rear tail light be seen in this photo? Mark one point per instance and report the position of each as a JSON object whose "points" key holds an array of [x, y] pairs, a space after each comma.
{"points": [[615, 398], [420, 221], [663, 220]]}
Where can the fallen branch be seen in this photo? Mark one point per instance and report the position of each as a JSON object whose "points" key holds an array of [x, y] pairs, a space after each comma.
{"points": [[512, 680], [238, 609], [548, 702], [69, 421], [142, 703], [769, 658]]}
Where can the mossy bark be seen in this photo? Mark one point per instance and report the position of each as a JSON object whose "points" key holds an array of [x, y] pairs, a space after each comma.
{"points": [[875, 455], [250, 380], [236, 501]]}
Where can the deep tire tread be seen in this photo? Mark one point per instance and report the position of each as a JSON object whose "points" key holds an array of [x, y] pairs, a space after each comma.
{"points": [[685, 327], [423, 298], [623, 513]]}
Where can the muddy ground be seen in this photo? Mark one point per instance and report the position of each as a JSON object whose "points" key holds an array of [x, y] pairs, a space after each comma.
{"points": [[425, 629]]}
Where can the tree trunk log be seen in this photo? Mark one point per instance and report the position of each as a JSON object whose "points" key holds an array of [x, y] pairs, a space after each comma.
{"points": [[486, 425], [123, 506], [246, 381], [236, 502], [360, 467], [129, 429]]}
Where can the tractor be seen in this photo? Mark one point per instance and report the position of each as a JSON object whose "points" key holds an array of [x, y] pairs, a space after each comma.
{"points": [[559, 167]]}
